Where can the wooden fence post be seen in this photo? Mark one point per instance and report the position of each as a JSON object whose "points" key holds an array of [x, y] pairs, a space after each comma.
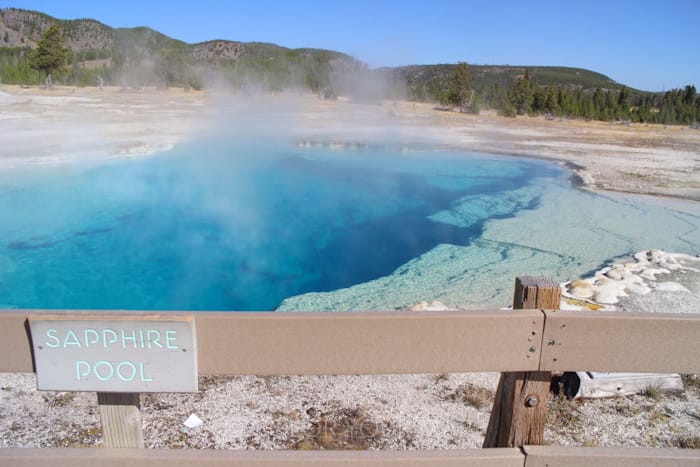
{"points": [[121, 420], [520, 406]]}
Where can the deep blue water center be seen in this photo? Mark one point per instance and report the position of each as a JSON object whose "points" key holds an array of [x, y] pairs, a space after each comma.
{"points": [[232, 226]]}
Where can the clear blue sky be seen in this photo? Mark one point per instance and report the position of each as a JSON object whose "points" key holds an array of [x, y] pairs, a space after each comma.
{"points": [[649, 45]]}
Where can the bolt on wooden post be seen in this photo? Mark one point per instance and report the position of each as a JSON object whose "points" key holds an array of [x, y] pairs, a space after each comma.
{"points": [[520, 406]]}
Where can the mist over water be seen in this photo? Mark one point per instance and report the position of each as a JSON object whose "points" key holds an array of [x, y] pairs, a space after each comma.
{"points": [[232, 224]]}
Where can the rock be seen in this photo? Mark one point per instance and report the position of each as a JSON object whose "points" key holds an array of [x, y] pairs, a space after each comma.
{"points": [[635, 267], [616, 272], [642, 257], [425, 306], [650, 273], [606, 295], [631, 278], [581, 288], [655, 256], [669, 262], [607, 291], [639, 289]]}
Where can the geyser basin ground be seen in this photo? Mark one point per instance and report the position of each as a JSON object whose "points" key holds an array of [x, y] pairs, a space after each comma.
{"points": [[239, 226]]}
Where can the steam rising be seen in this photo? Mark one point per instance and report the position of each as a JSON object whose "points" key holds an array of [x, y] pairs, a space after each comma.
{"points": [[200, 165]]}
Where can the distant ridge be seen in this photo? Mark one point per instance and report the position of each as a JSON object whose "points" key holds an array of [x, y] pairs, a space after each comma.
{"points": [[90, 39], [140, 56], [483, 75], [149, 56]]}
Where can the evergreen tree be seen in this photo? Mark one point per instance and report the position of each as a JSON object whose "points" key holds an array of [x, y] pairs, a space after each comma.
{"points": [[552, 102], [623, 99], [50, 54], [460, 88], [539, 100], [522, 95], [688, 107], [565, 102], [599, 104]]}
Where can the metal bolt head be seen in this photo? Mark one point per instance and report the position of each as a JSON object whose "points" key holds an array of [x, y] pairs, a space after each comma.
{"points": [[531, 401], [551, 342], [533, 349]]}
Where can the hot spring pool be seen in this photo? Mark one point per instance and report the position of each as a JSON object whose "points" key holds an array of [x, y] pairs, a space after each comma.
{"points": [[232, 226]]}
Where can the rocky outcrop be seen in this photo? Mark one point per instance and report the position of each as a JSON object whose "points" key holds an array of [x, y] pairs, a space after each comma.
{"points": [[617, 281], [23, 28], [217, 50]]}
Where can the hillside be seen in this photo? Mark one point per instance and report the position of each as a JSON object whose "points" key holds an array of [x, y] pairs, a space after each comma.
{"points": [[140, 56], [483, 76], [91, 40]]}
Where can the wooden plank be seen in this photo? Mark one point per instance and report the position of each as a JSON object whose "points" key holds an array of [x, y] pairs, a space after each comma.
{"points": [[366, 343], [620, 341], [520, 406], [338, 343], [209, 458], [437, 341], [550, 456], [121, 420]]}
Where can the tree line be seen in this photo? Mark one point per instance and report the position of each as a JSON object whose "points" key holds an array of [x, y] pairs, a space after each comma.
{"points": [[172, 66], [524, 96]]}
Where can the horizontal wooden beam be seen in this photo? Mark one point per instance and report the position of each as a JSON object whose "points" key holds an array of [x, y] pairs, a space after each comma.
{"points": [[292, 343], [620, 341], [530, 456], [547, 456], [57, 457], [368, 343], [269, 343]]}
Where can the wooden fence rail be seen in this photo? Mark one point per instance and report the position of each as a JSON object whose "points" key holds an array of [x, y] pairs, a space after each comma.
{"points": [[417, 342], [531, 341], [528, 456]]}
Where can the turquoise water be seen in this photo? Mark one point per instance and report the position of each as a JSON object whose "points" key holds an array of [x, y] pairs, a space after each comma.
{"points": [[232, 226], [225, 226]]}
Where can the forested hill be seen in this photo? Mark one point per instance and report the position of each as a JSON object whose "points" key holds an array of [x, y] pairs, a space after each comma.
{"points": [[483, 76], [96, 45], [135, 57], [142, 56]]}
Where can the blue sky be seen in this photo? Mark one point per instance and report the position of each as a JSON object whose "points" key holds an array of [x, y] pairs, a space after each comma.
{"points": [[649, 45]]}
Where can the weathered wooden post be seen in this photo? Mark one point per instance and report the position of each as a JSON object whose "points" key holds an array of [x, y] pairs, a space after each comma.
{"points": [[121, 419], [520, 406]]}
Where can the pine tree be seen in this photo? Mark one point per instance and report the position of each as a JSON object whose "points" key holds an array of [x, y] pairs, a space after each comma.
{"points": [[461, 88], [552, 102], [521, 94], [50, 54]]}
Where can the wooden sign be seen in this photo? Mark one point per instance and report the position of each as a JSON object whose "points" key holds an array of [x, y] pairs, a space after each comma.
{"points": [[114, 354]]}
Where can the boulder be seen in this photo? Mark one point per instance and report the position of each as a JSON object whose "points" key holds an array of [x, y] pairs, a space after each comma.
{"points": [[581, 288]]}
